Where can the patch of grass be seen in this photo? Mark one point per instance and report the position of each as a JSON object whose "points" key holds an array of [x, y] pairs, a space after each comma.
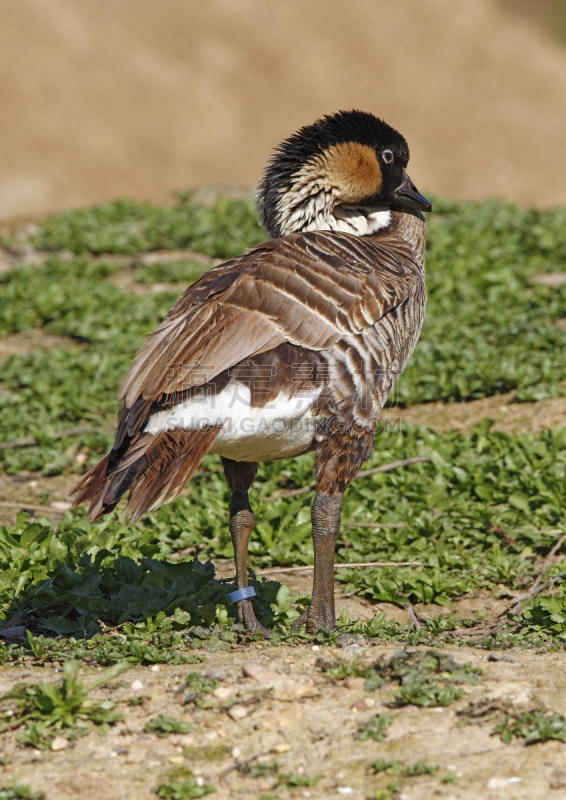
{"points": [[210, 752], [463, 513], [294, 781], [259, 770], [47, 709], [164, 726], [196, 687], [20, 792], [399, 769], [538, 725], [481, 259], [429, 693], [391, 793], [273, 769], [546, 613], [169, 272], [340, 670], [426, 678], [376, 729], [62, 580], [222, 230], [183, 790], [488, 329]]}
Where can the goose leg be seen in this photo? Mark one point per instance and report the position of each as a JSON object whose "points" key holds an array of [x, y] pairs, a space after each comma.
{"points": [[337, 463], [239, 476], [325, 516]]}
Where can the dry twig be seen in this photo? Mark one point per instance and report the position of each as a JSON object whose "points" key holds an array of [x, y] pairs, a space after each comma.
{"points": [[374, 525], [23, 506], [344, 566], [412, 616], [31, 441]]}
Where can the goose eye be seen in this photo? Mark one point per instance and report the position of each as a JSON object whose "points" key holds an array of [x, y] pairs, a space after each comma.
{"points": [[387, 156]]}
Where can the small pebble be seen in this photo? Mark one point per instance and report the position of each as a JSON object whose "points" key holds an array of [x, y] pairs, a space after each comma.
{"points": [[176, 760], [315, 647], [214, 675], [136, 755], [354, 649], [370, 702], [501, 783], [345, 790], [155, 668], [182, 739], [257, 672], [17, 632], [238, 712], [223, 692], [137, 685], [236, 752], [355, 684], [282, 747], [294, 690], [359, 705], [59, 743]]}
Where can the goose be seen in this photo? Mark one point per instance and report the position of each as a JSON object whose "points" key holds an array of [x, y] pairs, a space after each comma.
{"points": [[293, 346]]}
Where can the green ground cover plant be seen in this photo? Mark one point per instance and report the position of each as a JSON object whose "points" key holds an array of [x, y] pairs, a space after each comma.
{"points": [[547, 614], [47, 710], [480, 513], [477, 514], [163, 726], [223, 229], [426, 678], [398, 769], [375, 729], [20, 792], [183, 790], [538, 725], [489, 329]]}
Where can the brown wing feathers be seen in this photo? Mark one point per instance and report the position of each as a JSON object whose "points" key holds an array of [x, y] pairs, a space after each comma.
{"points": [[332, 293]]}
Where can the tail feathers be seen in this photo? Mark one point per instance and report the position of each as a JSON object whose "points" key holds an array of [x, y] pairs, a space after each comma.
{"points": [[91, 487], [154, 469], [168, 475]]}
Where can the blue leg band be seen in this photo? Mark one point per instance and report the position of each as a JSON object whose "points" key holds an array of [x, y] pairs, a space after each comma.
{"points": [[241, 594]]}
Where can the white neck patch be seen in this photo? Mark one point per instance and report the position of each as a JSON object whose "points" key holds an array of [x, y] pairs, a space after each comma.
{"points": [[360, 220]]}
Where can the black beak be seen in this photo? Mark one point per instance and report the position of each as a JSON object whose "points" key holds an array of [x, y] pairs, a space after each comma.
{"points": [[408, 196]]}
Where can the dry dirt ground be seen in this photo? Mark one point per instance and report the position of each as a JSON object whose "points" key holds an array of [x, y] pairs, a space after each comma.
{"points": [[306, 723]]}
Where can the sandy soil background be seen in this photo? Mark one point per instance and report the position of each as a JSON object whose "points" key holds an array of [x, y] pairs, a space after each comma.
{"points": [[100, 99]]}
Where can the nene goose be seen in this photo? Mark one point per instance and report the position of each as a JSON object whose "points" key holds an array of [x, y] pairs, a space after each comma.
{"points": [[291, 347]]}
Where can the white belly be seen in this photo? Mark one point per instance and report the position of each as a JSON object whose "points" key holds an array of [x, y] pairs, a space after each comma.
{"points": [[280, 429]]}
